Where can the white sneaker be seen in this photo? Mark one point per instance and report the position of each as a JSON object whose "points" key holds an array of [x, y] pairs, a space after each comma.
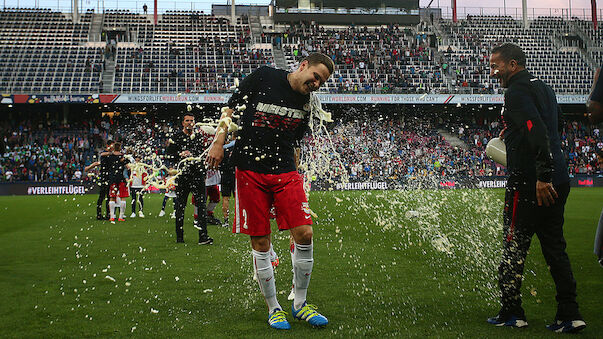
{"points": [[162, 213], [292, 294], [133, 215], [140, 214]]}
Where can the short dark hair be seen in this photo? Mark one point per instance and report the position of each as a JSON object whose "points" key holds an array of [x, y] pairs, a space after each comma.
{"points": [[509, 51], [110, 142], [187, 114], [117, 146], [320, 58]]}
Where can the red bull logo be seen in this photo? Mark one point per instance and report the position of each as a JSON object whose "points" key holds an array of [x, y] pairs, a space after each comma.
{"points": [[586, 182]]}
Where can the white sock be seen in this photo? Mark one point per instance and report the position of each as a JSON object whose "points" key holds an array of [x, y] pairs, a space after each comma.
{"points": [[122, 209], [211, 206], [292, 251], [302, 269], [265, 274], [112, 209], [273, 254]]}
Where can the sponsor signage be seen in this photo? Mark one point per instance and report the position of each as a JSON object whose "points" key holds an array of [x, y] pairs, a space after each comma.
{"points": [[71, 188], [588, 182], [56, 190], [221, 98], [348, 186], [495, 183], [43, 188], [451, 183]]}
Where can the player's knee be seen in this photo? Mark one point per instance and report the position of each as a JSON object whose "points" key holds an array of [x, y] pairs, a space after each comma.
{"points": [[260, 244], [303, 235]]}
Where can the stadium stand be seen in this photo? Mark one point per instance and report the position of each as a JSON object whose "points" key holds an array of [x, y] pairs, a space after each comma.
{"points": [[186, 52], [388, 59], [375, 142], [473, 38], [44, 51]]}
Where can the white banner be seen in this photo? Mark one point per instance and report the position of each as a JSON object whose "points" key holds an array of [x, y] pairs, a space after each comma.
{"points": [[172, 98], [58, 190], [221, 98]]}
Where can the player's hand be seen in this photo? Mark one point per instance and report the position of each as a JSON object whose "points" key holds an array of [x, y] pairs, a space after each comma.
{"points": [[215, 156], [545, 193], [185, 154]]}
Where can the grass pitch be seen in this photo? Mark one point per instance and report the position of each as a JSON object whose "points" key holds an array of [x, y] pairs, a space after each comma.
{"points": [[387, 264]]}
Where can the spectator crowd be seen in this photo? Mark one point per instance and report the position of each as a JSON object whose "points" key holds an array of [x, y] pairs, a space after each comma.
{"points": [[372, 142]]}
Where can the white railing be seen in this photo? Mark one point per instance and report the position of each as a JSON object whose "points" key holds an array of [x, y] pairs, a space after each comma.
{"points": [[134, 6], [517, 13]]}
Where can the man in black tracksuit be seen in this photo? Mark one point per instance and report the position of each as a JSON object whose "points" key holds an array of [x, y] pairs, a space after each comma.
{"points": [[537, 189], [185, 144], [103, 182]]}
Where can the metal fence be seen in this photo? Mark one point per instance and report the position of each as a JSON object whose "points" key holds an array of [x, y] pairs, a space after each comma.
{"points": [[136, 6], [517, 12]]}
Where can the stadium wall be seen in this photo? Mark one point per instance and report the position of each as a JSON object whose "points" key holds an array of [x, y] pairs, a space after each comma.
{"points": [[221, 98], [346, 19], [47, 188], [77, 187]]}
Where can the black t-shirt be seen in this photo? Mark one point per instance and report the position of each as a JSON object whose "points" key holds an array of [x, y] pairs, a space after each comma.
{"points": [[105, 168], [273, 123], [531, 117], [116, 165], [183, 142]]}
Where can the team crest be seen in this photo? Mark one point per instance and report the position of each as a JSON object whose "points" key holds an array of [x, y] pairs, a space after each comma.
{"points": [[306, 208]]}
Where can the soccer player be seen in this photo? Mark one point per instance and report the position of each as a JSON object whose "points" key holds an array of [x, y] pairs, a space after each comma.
{"points": [[118, 189], [103, 182], [213, 195], [275, 118], [138, 180], [185, 145], [170, 192], [537, 189]]}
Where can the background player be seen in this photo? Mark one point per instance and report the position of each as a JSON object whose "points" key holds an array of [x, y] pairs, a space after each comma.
{"points": [[138, 178], [118, 189], [103, 182], [184, 146], [170, 192]]}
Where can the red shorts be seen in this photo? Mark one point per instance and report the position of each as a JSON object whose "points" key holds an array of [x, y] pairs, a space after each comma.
{"points": [[255, 193], [120, 190], [213, 193]]}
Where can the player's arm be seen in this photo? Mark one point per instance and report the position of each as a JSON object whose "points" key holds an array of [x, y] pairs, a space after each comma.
{"points": [[239, 98], [595, 99], [297, 157], [523, 112], [91, 166]]}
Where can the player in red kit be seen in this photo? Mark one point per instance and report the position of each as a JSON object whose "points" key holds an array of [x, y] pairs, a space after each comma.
{"points": [[275, 107]]}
